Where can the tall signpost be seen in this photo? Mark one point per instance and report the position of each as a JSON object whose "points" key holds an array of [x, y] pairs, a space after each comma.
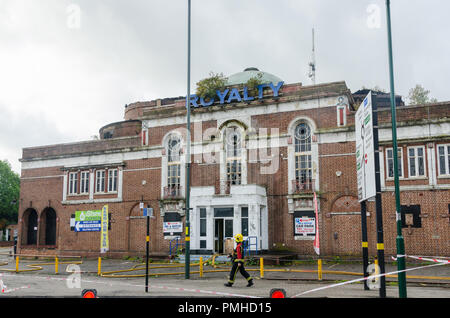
{"points": [[188, 149], [399, 240], [146, 212], [368, 176]]}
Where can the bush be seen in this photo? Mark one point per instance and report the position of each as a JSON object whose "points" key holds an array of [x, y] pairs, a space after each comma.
{"points": [[207, 87], [253, 83]]}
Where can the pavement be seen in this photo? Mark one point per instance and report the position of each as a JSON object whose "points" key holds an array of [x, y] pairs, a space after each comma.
{"points": [[67, 283]]}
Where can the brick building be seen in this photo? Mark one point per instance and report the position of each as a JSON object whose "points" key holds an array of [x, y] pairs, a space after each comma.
{"points": [[257, 158]]}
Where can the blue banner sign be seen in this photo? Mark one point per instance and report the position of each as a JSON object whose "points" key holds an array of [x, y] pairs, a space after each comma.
{"points": [[87, 226], [232, 96]]}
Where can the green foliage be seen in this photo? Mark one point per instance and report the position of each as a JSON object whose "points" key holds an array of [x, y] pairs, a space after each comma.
{"points": [[253, 83], [207, 87], [420, 95], [9, 194], [251, 261]]}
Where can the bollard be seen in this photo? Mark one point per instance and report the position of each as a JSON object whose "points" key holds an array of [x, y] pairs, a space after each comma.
{"points": [[201, 266], [319, 269], [56, 265], [261, 267], [17, 264], [377, 268], [99, 267]]}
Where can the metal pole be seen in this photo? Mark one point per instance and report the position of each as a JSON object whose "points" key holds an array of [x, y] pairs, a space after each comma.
{"points": [[188, 148], [365, 243], [378, 202], [401, 266], [147, 239]]}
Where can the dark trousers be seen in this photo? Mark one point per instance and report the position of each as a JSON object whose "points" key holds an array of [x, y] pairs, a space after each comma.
{"points": [[234, 270]]}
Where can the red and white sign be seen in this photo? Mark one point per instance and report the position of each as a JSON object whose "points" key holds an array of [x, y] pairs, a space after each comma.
{"points": [[316, 239]]}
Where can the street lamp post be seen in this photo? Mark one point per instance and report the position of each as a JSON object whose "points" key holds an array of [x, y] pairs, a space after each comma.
{"points": [[399, 240], [188, 149]]}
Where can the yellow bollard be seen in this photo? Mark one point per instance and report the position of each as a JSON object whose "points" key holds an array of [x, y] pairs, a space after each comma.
{"points": [[17, 264], [99, 267], [56, 265], [201, 266], [377, 268], [261, 267], [319, 269]]}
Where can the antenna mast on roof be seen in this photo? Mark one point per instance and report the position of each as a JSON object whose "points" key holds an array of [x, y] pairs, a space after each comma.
{"points": [[312, 64]]}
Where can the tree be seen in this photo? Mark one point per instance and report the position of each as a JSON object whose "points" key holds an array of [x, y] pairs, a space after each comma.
{"points": [[207, 87], [9, 194], [419, 95]]}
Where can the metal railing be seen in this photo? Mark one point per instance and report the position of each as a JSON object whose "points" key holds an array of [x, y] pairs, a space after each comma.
{"points": [[303, 186], [248, 243], [174, 246], [172, 192]]}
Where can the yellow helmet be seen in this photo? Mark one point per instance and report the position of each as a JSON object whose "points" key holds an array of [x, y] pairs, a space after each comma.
{"points": [[239, 238]]}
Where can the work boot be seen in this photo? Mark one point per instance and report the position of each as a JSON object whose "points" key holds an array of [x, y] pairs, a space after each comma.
{"points": [[250, 283], [228, 284]]}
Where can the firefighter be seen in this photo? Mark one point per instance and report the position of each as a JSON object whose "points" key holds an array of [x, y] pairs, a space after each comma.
{"points": [[237, 259]]}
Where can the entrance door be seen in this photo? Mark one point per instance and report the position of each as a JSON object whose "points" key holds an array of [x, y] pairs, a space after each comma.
{"points": [[223, 229], [32, 228]]}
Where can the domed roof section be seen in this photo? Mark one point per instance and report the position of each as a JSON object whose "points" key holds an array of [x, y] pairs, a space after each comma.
{"points": [[243, 77]]}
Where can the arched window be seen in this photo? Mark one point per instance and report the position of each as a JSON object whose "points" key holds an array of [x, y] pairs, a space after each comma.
{"points": [[303, 162], [48, 227], [30, 226], [233, 149], [173, 166]]}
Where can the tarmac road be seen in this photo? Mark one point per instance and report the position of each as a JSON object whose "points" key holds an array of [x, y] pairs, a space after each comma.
{"points": [[45, 283]]}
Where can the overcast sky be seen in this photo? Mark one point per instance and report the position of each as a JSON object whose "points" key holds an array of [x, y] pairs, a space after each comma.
{"points": [[68, 68]]}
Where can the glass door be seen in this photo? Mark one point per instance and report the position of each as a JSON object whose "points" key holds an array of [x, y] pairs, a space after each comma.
{"points": [[223, 230]]}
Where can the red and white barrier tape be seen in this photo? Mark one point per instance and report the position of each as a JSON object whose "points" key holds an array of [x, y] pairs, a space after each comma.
{"points": [[367, 278], [426, 258]]}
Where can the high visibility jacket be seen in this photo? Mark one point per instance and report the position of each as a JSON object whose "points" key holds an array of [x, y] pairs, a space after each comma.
{"points": [[239, 253]]}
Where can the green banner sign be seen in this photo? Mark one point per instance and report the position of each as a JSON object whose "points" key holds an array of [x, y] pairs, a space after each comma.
{"points": [[82, 216]]}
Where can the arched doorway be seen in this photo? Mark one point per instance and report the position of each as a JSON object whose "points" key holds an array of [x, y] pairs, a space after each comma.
{"points": [[137, 230], [47, 233], [346, 226], [29, 227]]}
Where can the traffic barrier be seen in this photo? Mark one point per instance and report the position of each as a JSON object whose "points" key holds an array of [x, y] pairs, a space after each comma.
{"points": [[37, 266]]}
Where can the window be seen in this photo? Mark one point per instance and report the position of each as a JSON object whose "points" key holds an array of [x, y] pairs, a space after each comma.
{"points": [[144, 137], [233, 148], [84, 182], [112, 180], [303, 163], [416, 161], [73, 183], [390, 162], [174, 164], [244, 221], [100, 181], [444, 159], [202, 221], [410, 216], [341, 118]]}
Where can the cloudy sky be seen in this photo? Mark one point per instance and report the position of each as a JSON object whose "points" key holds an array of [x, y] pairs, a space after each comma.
{"points": [[68, 67]]}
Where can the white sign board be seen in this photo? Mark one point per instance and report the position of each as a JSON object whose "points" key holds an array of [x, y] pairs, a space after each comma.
{"points": [[172, 227], [365, 153], [305, 225]]}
